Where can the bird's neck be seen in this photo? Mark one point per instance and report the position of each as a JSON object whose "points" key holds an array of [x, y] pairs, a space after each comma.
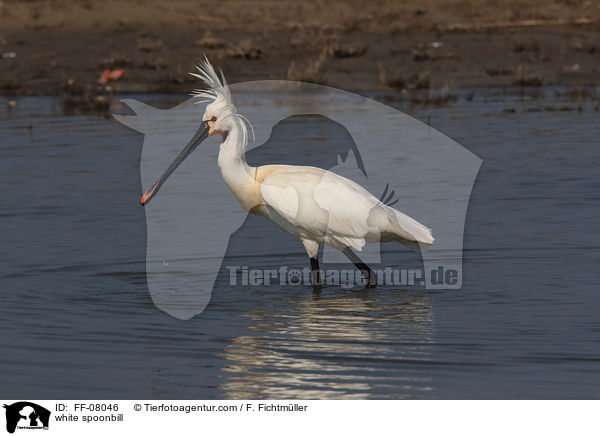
{"points": [[232, 153], [236, 172]]}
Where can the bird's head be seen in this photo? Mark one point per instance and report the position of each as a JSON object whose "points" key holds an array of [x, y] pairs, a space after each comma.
{"points": [[218, 119], [218, 116], [220, 111]]}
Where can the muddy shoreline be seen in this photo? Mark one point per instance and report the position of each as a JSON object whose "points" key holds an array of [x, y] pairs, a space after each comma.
{"points": [[65, 47]]}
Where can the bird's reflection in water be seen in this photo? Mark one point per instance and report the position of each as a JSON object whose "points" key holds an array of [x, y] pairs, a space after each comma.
{"points": [[342, 344]]}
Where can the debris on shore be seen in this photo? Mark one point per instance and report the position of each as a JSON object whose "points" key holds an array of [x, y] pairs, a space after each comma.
{"points": [[155, 46]]}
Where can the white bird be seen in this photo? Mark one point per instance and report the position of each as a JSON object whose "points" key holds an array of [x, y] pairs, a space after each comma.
{"points": [[312, 204]]}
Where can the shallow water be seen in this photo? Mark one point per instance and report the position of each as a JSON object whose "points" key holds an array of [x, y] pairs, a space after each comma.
{"points": [[78, 321]]}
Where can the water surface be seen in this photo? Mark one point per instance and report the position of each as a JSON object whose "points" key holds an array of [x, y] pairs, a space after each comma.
{"points": [[78, 321]]}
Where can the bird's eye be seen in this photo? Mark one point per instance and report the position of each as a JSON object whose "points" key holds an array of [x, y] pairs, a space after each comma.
{"points": [[213, 119]]}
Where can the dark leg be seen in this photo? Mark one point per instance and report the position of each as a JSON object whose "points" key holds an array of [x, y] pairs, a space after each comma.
{"points": [[367, 272], [316, 273]]}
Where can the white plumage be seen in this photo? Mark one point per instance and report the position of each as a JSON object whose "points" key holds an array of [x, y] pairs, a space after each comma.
{"points": [[321, 206], [314, 205]]}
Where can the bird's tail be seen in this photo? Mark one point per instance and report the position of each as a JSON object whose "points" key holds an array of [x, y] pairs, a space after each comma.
{"points": [[409, 231]]}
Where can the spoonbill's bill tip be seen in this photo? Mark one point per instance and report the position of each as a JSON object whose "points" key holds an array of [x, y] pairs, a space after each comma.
{"points": [[145, 198]]}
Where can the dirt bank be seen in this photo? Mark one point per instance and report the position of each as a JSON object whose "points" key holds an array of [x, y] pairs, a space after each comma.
{"points": [[63, 47]]}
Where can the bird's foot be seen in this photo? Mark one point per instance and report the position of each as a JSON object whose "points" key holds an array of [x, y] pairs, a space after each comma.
{"points": [[370, 277]]}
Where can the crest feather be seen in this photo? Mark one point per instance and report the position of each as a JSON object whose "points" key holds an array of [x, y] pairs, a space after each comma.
{"points": [[217, 87]]}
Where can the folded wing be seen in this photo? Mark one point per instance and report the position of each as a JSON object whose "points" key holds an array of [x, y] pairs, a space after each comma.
{"points": [[320, 205]]}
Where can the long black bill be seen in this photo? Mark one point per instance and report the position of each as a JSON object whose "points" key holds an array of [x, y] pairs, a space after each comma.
{"points": [[201, 135]]}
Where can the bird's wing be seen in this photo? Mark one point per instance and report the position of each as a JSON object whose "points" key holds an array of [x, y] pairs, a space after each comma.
{"points": [[323, 204]]}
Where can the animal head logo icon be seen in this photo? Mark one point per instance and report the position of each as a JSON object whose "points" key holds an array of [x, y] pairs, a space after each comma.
{"points": [[25, 414], [190, 222]]}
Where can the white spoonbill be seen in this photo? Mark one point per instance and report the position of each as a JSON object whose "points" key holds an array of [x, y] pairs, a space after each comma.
{"points": [[312, 204]]}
